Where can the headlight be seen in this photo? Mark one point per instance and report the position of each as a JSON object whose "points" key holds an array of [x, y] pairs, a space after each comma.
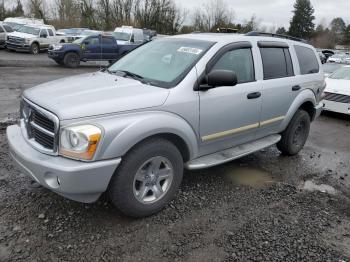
{"points": [[57, 47], [79, 142], [26, 40]]}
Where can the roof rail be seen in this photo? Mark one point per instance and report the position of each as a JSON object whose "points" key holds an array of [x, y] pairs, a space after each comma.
{"points": [[255, 33]]}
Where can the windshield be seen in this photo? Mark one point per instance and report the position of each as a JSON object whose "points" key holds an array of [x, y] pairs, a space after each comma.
{"points": [[342, 73], [29, 30], [123, 36], [163, 62], [79, 41], [329, 68], [14, 26], [89, 32]]}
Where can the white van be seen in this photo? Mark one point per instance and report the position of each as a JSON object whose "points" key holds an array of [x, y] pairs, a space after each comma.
{"points": [[17, 22], [127, 35], [4, 30]]}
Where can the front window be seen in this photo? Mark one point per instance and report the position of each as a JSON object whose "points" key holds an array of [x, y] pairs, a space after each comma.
{"points": [[163, 62], [342, 73], [122, 36], [29, 30], [240, 61]]}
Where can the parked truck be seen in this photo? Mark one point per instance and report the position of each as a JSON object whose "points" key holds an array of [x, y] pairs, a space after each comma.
{"points": [[92, 48], [33, 38]]}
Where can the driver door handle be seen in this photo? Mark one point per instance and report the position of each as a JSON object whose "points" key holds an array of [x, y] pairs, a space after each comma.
{"points": [[254, 95]]}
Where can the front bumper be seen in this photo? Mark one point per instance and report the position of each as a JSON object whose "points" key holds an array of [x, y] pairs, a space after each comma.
{"points": [[58, 55], [337, 107], [18, 47], [76, 180]]}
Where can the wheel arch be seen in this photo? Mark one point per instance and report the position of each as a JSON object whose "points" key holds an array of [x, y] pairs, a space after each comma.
{"points": [[129, 132], [306, 100]]}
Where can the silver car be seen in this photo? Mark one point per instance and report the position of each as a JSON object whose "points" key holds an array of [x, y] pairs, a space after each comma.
{"points": [[188, 101]]}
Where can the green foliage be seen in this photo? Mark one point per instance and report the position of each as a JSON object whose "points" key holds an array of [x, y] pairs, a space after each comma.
{"points": [[281, 31], [302, 25]]}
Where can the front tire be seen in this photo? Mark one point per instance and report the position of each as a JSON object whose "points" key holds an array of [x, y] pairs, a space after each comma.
{"points": [[296, 134], [34, 49], [147, 179], [71, 60]]}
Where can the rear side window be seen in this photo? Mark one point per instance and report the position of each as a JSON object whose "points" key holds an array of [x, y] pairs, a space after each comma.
{"points": [[307, 60], [50, 32], [277, 62], [239, 61], [107, 41]]}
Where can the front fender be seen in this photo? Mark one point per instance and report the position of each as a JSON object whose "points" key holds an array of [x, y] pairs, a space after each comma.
{"points": [[123, 132], [305, 96]]}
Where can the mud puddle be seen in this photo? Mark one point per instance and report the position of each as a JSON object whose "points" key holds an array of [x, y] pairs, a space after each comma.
{"points": [[248, 176]]}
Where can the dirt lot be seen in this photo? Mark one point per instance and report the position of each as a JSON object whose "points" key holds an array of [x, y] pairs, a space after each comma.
{"points": [[258, 208]]}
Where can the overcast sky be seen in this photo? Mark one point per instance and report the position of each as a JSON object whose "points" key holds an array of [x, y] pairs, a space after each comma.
{"points": [[279, 12]]}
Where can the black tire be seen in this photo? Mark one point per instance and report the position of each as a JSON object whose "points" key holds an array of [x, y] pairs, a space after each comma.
{"points": [[34, 49], [71, 60], [296, 134], [59, 62], [121, 188]]}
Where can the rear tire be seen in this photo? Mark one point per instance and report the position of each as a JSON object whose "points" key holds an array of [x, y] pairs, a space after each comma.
{"points": [[147, 179], [296, 134], [71, 60], [34, 49]]}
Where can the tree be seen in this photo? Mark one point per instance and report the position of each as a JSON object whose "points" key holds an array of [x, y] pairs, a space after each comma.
{"points": [[251, 25], [338, 28], [67, 12], [36, 8], [302, 24], [281, 31], [346, 39]]}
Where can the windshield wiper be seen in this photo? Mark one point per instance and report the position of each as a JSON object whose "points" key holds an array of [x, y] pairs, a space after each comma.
{"points": [[132, 75]]}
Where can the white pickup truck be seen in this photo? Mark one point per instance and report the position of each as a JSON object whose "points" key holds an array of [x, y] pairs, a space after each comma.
{"points": [[33, 38]]}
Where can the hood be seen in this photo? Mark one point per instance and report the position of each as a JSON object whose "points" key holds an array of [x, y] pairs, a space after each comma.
{"points": [[21, 35], [338, 86], [95, 94]]}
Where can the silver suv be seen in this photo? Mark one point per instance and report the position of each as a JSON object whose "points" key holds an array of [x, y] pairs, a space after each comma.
{"points": [[192, 101]]}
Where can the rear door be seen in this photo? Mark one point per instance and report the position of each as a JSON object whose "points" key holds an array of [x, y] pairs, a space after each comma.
{"points": [[51, 37], [279, 86], [109, 48]]}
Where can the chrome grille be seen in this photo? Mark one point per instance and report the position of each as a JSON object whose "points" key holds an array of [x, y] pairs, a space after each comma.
{"points": [[15, 40], [337, 98], [40, 127]]}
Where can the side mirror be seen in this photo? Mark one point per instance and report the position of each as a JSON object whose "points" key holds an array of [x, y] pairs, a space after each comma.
{"points": [[218, 78]]}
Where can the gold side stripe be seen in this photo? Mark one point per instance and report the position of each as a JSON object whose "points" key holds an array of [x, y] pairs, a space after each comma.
{"points": [[271, 121], [229, 132], [241, 129]]}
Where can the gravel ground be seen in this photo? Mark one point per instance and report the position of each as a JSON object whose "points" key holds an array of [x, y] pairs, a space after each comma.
{"points": [[253, 209]]}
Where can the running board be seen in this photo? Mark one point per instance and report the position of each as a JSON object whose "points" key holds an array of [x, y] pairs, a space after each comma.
{"points": [[232, 153]]}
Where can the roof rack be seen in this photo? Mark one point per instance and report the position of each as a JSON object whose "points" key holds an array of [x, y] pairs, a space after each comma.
{"points": [[255, 33]]}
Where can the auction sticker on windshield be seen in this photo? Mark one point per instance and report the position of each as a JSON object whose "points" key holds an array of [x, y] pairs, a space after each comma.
{"points": [[190, 50]]}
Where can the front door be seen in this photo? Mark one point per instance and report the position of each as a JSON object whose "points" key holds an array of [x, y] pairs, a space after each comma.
{"points": [[92, 49], [229, 115]]}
